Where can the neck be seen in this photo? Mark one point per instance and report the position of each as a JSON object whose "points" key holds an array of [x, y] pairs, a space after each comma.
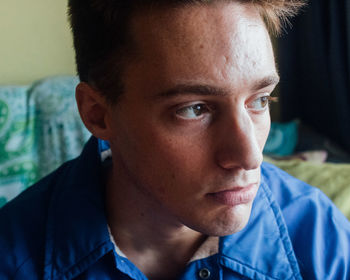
{"points": [[146, 233]]}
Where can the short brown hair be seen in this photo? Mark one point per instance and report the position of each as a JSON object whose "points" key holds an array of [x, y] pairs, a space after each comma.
{"points": [[102, 40]]}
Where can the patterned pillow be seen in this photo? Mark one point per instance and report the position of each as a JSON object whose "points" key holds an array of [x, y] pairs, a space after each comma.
{"points": [[17, 166], [59, 131], [40, 128]]}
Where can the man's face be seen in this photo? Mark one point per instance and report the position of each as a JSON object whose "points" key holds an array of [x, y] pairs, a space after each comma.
{"points": [[188, 133]]}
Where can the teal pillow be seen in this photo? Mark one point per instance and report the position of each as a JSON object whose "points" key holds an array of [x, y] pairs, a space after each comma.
{"points": [[283, 138]]}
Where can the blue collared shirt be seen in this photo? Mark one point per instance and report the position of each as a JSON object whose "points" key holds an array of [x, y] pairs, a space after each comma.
{"points": [[57, 229]]}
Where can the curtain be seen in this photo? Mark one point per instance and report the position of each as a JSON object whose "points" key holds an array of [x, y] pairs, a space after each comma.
{"points": [[314, 64]]}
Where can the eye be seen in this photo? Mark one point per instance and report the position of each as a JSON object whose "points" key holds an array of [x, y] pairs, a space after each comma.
{"points": [[260, 103], [193, 111]]}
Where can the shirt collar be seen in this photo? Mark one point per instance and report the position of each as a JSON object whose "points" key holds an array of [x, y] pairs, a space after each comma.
{"points": [[77, 233], [263, 249]]}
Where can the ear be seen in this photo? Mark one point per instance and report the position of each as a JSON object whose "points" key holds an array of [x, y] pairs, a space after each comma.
{"points": [[93, 110]]}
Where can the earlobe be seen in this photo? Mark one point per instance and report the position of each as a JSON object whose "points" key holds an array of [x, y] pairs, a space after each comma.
{"points": [[93, 110]]}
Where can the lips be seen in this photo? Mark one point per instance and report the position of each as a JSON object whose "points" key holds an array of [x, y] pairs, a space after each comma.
{"points": [[236, 195]]}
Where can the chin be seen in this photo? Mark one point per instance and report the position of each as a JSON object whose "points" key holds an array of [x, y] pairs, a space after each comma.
{"points": [[226, 222]]}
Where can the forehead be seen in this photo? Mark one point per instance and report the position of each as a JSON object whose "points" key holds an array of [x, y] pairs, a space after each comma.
{"points": [[204, 19], [214, 42]]}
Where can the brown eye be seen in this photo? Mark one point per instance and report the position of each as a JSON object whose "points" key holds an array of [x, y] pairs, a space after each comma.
{"points": [[261, 103], [264, 101], [193, 111]]}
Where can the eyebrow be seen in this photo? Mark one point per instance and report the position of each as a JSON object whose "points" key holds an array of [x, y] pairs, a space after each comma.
{"points": [[207, 90], [193, 89], [271, 80]]}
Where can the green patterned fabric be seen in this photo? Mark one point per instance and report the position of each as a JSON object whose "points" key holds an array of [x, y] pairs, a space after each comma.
{"points": [[17, 167], [332, 178], [39, 129]]}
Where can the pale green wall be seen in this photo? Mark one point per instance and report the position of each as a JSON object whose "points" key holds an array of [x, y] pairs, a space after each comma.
{"points": [[35, 40]]}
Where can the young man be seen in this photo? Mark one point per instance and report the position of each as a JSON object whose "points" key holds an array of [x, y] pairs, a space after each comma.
{"points": [[179, 91]]}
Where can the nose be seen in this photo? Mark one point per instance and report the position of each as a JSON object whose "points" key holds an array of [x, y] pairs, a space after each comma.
{"points": [[238, 144]]}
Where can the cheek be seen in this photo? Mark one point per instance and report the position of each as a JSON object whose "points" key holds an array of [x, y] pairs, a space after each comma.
{"points": [[171, 170], [179, 155], [180, 163], [173, 144], [159, 156]]}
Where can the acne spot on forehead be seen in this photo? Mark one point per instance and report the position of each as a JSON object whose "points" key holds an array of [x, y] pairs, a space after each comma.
{"points": [[195, 25], [211, 40]]}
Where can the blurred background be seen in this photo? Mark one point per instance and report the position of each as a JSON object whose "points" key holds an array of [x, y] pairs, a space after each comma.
{"points": [[35, 40], [314, 63]]}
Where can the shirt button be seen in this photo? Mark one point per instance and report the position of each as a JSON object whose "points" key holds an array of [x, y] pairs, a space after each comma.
{"points": [[204, 273]]}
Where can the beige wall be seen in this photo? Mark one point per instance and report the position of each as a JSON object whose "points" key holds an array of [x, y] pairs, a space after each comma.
{"points": [[35, 40]]}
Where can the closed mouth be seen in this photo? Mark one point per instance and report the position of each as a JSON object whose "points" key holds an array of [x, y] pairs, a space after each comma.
{"points": [[236, 195]]}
